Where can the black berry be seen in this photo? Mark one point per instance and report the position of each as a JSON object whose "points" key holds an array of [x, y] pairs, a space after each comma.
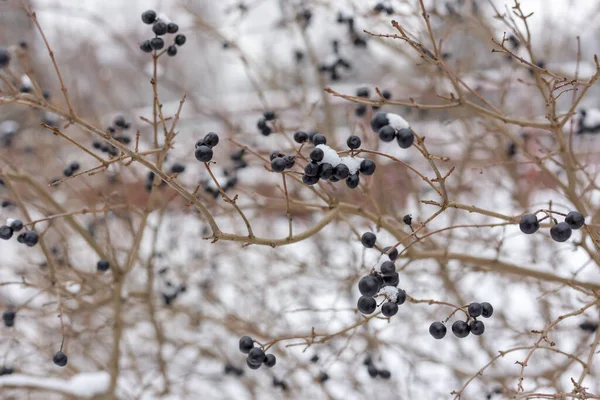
{"points": [[341, 171], [8, 317], [30, 238], [102, 265], [4, 57], [318, 139], [270, 360], [16, 225], [367, 167], [388, 268], [256, 356], [437, 330], [362, 92], [405, 138], [60, 359], [157, 43], [460, 329], [160, 28], [378, 121], [246, 344], [180, 40], [477, 328], [389, 309], [400, 297], [407, 219], [475, 310], [146, 47], [353, 142], [300, 137], [172, 27], [149, 16], [352, 181], [561, 232], [6, 232], [252, 366], [387, 133], [172, 51], [317, 155], [177, 168], [368, 239], [529, 224], [361, 110], [310, 180], [393, 254], [391, 280], [385, 374], [211, 139], [366, 305], [372, 370], [312, 169], [269, 115], [575, 219], [203, 153], [486, 310], [278, 164], [325, 170], [368, 285]]}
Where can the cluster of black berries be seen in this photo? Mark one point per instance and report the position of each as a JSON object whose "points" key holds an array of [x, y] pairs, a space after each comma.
{"points": [[336, 62], [357, 40], [204, 147], [8, 317], [461, 329], [391, 126], [263, 122], [160, 28], [382, 281], [327, 165], [374, 372], [560, 232], [105, 147], [364, 92], [382, 7], [281, 162], [256, 356], [116, 130], [60, 359], [29, 238], [71, 169], [169, 289]]}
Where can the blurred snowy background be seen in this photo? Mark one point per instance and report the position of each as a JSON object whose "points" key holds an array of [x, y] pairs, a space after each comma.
{"points": [[187, 301]]}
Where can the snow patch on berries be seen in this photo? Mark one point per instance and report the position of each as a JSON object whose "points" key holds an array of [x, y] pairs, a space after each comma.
{"points": [[391, 292], [353, 163], [397, 121], [330, 156]]}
